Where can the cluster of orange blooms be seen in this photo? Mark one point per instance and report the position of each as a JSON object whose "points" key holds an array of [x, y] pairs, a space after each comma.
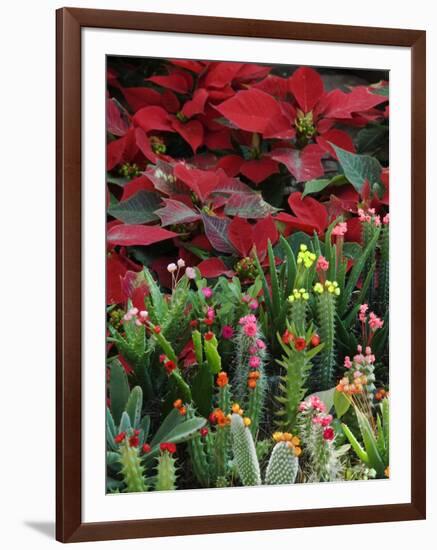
{"points": [[380, 394], [354, 387], [292, 441], [252, 378], [180, 407], [219, 417], [222, 379]]}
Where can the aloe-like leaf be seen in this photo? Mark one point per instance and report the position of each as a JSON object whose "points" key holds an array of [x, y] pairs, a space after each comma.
{"points": [[360, 452], [172, 420], [370, 444], [134, 405], [145, 428], [111, 430], [341, 403], [276, 298], [202, 387], [118, 390], [125, 423]]}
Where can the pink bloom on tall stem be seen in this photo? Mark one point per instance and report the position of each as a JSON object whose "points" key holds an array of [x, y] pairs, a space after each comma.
{"points": [[347, 362], [207, 292], [375, 322], [190, 272], [340, 229], [322, 264], [362, 314]]}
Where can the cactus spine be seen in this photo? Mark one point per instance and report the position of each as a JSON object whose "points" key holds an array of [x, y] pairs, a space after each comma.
{"points": [[283, 465], [245, 457]]}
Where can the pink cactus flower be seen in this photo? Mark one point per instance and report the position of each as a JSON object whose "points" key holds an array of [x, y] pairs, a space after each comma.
{"points": [[254, 362], [250, 329], [260, 344]]}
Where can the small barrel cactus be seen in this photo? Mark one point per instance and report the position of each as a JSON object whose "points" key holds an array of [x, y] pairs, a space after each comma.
{"points": [[283, 464], [131, 468], [244, 450]]}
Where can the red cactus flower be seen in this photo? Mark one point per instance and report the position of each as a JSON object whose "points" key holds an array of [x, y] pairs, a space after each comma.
{"points": [[209, 336], [146, 448], [328, 434], [169, 447], [134, 440], [315, 340], [203, 432], [299, 344], [120, 437], [170, 366]]}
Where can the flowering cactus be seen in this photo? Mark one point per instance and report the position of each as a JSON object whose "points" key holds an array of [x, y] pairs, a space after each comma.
{"points": [[244, 451], [131, 467], [283, 463], [250, 382], [166, 469], [322, 459]]}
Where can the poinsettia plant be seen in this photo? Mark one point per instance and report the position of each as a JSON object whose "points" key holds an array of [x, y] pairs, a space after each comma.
{"points": [[209, 160]]}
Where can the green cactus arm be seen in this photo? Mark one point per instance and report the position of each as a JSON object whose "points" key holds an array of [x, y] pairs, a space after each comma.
{"points": [[244, 451], [282, 466], [131, 469], [165, 473], [198, 349], [326, 360], [255, 402], [199, 460]]}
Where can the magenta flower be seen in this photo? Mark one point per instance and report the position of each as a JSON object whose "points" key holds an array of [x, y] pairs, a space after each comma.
{"points": [[254, 362], [227, 332], [207, 292], [253, 304]]}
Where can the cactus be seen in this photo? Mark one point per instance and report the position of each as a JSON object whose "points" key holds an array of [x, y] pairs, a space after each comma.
{"points": [[323, 461], [165, 472], [255, 399], [283, 465], [326, 306], [131, 468], [199, 459], [292, 387], [249, 377], [244, 450]]}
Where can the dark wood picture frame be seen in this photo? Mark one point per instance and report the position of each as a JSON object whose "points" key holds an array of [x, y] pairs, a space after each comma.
{"points": [[69, 525]]}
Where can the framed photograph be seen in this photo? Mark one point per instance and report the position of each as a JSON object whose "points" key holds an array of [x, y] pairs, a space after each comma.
{"points": [[240, 275]]}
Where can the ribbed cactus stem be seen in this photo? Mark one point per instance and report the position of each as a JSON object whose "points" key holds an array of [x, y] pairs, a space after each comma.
{"points": [[165, 473], [283, 465], [244, 450], [255, 402], [221, 450], [326, 317], [131, 469], [199, 460], [291, 388], [298, 314], [224, 398]]}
